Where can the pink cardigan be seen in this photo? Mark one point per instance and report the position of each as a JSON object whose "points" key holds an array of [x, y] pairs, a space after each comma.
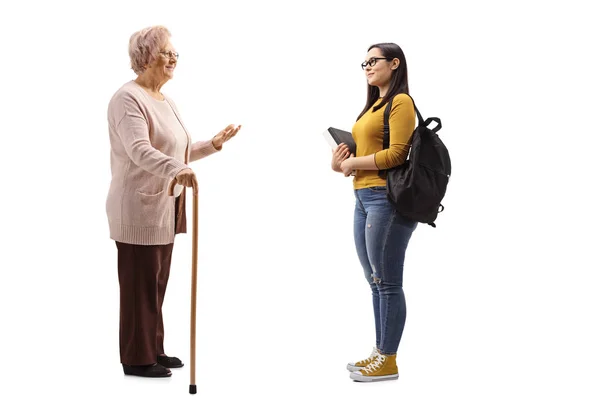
{"points": [[142, 144]]}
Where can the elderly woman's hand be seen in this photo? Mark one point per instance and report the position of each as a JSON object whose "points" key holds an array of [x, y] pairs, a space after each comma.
{"points": [[226, 134], [186, 177]]}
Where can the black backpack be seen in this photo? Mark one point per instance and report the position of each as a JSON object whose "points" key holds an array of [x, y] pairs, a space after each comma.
{"points": [[417, 187]]}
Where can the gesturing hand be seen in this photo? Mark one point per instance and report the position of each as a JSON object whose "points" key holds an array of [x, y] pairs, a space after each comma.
{"points": [[226, 134]]}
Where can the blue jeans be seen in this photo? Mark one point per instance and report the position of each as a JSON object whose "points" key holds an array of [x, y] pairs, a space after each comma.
{"points": [[381, 236]]}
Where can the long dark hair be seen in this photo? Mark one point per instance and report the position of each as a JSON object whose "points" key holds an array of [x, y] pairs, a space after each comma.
{"points": [[398, 83]]}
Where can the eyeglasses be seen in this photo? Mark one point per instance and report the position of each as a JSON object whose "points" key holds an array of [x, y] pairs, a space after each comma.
{"points": [[170, 54], [373, 61]]}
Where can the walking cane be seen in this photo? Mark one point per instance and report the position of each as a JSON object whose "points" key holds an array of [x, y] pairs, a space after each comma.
{"points": [[194, 279]]}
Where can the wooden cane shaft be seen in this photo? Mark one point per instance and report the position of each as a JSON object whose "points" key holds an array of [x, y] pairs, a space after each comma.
{"points": [[194, 288]]}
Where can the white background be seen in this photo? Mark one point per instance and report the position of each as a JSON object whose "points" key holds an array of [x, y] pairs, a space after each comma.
{"points": [[502, 297]]}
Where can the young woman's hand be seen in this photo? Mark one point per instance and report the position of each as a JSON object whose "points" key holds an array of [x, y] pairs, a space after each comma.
{"points": [[338, 155], [346, 166]]}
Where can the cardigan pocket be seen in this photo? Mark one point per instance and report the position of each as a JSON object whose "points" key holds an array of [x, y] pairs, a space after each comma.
{"points": [[151, 209], [148, 194]]}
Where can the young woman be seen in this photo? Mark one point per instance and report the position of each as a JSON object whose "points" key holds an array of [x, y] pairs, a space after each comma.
{"points": [[381, 235]]}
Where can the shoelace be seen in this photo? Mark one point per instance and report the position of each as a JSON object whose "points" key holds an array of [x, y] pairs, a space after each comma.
{"points": [[375, 364], [370, 359]]}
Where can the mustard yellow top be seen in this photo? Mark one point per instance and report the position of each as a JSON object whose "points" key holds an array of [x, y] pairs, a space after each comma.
{"points": [[368, 135]]}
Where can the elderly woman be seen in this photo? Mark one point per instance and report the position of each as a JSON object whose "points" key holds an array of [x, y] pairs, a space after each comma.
{"points": [[150, 147]]}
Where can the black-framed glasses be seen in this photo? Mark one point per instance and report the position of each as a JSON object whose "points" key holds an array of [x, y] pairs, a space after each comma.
{"points": [[372, 61], [170, 54]]}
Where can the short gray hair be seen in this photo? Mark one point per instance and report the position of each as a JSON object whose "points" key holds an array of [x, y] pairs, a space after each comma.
{"points": [[144, 46]]}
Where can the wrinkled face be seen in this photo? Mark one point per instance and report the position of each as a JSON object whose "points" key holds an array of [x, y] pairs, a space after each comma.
{"points": [[378, 69], [163, 66]]}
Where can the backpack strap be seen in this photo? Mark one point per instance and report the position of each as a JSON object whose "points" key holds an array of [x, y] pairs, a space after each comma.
{"points": [[386, 120], [386, 125]]}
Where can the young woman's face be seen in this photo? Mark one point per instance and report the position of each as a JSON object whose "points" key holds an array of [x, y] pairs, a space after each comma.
{"points": [[378, 70]]}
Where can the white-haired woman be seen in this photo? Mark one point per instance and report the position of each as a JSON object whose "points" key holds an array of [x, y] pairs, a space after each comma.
{"points": [[150, 147]]}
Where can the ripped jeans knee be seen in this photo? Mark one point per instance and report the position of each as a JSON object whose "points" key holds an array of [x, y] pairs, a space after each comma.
{"points": [[376, 279]]}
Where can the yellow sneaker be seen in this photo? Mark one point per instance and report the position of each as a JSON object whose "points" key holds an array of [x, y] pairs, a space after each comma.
{"points": [[357, 366], [382, 368]]}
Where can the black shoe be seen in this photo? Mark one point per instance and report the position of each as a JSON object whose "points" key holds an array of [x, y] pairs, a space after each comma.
{"points": [[169, 362], [147, 371]]}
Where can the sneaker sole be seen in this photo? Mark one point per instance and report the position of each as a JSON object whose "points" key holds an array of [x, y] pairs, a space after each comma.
{"points": [[362, 378], [353, 368]]}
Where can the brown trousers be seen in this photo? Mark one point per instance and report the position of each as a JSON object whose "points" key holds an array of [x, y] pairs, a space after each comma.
{"points": [[143, 276]]}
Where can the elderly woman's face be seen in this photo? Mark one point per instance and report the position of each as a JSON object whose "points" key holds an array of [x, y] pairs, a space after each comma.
{"points": [[165, 63]]}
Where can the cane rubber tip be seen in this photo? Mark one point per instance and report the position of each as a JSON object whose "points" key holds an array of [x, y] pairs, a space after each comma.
{"points": [[192, 389]]}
